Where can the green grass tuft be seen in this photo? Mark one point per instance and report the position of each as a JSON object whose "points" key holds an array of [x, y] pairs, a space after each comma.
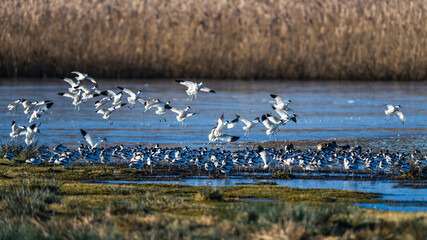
{"points": [[209, 194]]}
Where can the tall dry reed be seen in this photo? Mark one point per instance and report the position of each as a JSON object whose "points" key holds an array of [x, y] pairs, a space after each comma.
{"points": [[296, 39]]}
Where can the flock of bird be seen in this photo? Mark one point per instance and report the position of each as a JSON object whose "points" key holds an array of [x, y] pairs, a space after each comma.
{"points": [[328, 157], [80, 92], [331, 157]]}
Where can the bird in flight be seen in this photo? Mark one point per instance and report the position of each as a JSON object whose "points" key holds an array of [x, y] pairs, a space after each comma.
{"points": [[280, 103], [182, 113], [193, 88], [89, 139], [396, 110]]}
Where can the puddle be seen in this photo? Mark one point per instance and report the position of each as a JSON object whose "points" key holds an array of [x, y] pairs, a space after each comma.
{"points": [[257, 200], [386, 188], [396, 208]]}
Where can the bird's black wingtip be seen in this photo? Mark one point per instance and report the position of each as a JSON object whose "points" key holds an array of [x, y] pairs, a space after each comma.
{"points": [[83, 132], [212, 91], [273, 95], [179, 81], [168, 107], [263, 117], [120, 88], [234, 138]]}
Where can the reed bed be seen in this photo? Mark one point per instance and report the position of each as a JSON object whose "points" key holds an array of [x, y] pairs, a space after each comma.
{"points": [[45, 209], [240, 39]]}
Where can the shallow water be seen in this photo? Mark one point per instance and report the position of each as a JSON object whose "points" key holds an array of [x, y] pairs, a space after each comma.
{"points": [[408, 196], [349, 111], [396, 208]]}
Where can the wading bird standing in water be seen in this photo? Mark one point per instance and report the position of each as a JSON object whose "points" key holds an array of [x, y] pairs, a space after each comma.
{"points": [[193, 88]]}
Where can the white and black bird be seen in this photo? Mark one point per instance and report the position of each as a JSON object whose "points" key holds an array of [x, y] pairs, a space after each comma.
{"points": [[266, 158], [396, 110], [133, 97], [182, 113], [280, 103], [31, 133], [151, 103], [272, 128], [213, 137], [89, 139], [77, 98], [117, 97], [161, 109], [102, 102], [249, 125], [82, 76], [273, 119], [17, 130], [88, 93], [193, 88], [29, 106], [221, 124], [14, 105], [106, 112], [38, 113], [9, 156], [284, 113], [227, 138], [33, 161], [73, 85]]}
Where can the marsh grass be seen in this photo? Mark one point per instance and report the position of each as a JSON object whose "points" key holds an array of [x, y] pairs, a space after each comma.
{"points": [[334, 39], [29, 198], [21, 152], [154, 211], [209, 194]]}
